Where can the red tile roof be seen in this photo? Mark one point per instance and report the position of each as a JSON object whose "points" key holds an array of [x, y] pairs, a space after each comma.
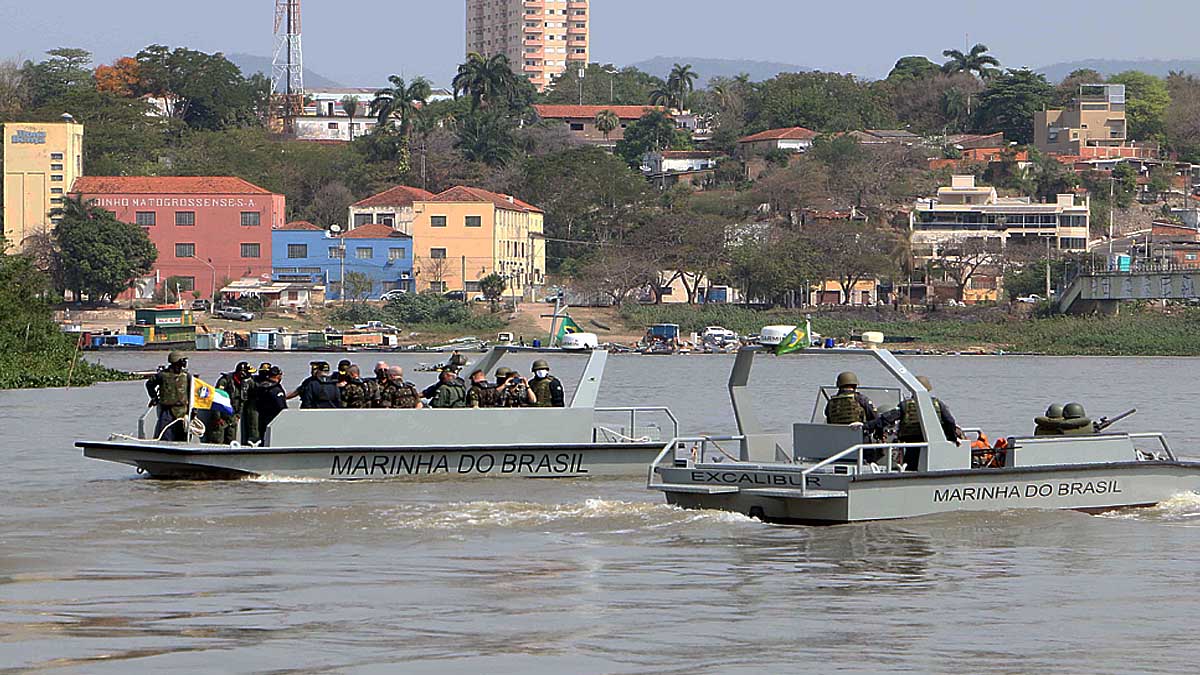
{"points": [[167, 185], [461, 193], [790, 133], [299, 225], [373, 231], [401, 195], [625, 112]]}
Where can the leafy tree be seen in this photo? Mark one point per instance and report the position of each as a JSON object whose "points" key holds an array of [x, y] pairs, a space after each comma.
{"points": [[603, 85], [486, 137], [1068, 89], [66, 69], [934, 104], [1010, 101], [910, 68], [654, 131], [492, 286], [402, 102], [204, 91], [487, 80], [357, 286], [1183, 116], [122, 78], [976, 61], [819, 101], [101, 256], [1146, 101], [122, 138], [607, 122]]}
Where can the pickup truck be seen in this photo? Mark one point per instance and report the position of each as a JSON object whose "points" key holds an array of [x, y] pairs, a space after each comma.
{"points": [[233, 314]]}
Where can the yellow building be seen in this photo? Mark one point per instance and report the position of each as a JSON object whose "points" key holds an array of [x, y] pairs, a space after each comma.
{"points": [[1092, 125], [464, 234], [41, 162]]}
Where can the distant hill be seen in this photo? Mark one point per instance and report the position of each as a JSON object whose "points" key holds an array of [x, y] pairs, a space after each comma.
{"points": [[251, 63], [1160, 67], [710, 68]]}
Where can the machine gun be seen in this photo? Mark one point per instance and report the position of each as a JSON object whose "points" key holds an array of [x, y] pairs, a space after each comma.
{"points": [[1106, 422]]}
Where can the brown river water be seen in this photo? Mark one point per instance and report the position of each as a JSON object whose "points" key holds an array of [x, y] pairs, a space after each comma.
{"points": [[102, 571]]}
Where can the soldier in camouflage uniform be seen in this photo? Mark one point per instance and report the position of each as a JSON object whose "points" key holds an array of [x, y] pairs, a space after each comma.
{"points": [[482, 394], [545, 387], [354, 391], [908, 430], [258, 382], [397, 393], [376, 384], [512, 390], [237, 384], [171, 390]]}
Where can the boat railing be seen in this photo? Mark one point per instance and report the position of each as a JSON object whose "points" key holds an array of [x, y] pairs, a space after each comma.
{"points": [[699, 445], [1162, 441], [858, 451], [634, 412]]}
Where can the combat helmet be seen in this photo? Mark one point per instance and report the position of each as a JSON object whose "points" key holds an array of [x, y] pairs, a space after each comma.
{"points": [[503, 372], [175, 357], [540, 364], [1073, 411], [847, 379], [1055, 411]]}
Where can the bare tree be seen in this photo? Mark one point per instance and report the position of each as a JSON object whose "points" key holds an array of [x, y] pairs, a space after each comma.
{"points": [[434, 270], [850, 253], [961, 259], [13, 91], [617, 272]]}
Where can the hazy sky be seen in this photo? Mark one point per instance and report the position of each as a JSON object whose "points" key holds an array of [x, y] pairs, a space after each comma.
{"points": [[359, 42]]}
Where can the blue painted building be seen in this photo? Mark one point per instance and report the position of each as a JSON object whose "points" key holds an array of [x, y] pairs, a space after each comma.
{"points": [[303, 252]]}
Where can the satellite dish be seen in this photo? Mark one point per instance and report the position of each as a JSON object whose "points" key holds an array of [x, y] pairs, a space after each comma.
{"points": [[335, 228]]}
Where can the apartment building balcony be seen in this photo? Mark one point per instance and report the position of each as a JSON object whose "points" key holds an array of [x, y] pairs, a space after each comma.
{"points": [[577, 31], [576, 4]]}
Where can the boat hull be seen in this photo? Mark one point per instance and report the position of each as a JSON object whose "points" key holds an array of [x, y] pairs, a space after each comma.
{"points": [[1092, 488], [213, 462]]}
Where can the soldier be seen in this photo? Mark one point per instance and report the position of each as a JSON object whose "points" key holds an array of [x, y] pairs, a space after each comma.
{"points": [[320, 390], [271, 399], [375, 385], [909, 430], [545, 387], [482, 394], [354, 391], [171, 390], [512, 389], [849, 405], [237, 384], [449, 392], [344, 367], [1050, 423], [259, 380], [396, 393]]}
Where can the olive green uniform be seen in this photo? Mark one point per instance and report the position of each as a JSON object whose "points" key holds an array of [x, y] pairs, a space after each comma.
{"points": [[849, 406], [450, 394], [171, 391], [483, 395], [355, 394], [225, 427], [549, 392], [398, 395]]}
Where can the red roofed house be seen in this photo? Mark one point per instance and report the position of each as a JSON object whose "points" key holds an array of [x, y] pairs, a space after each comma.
{"points": [[464, 234], [392, 207], [581, 119], [206, 229], [791, 139]]}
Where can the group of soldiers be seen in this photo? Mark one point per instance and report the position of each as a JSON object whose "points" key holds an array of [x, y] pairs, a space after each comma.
{"points": [[257, 398], [851, 406]]}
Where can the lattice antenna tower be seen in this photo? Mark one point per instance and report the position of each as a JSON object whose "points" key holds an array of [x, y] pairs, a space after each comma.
{"points": [[287, 66]]}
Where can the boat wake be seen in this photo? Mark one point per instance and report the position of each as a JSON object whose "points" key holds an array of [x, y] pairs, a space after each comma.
{"points": [[1182, 508], [593, 514]]}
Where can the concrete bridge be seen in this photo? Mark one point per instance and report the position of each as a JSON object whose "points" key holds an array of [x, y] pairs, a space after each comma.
{"points": [[1103, 290]]}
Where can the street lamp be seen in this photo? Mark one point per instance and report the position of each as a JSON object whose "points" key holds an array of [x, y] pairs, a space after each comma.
{"points": [[209, 265]]}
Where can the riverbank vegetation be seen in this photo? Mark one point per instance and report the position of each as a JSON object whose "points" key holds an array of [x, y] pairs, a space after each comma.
{"points": [[1135, 332], [33, 351]]}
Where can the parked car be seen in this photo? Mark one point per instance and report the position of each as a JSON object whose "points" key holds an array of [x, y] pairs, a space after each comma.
{"points": [[393, 294], [234, 314], [201, 305], [460, 296], [1030, 299]]}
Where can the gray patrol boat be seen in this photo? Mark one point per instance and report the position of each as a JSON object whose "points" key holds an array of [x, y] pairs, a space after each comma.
{"points": [[820, 475], [581, 440]]}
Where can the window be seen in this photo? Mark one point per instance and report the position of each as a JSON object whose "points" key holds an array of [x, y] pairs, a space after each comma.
{"points": [[1189, 256], [395, 253], [56, 155], [333, 125], [437, 253], [437, 286], [56, 191], [56, 200], [56, 167], [364, 252], [251, 250], [361, 219], [185, 250], [185, 283], [437, 221], [185, 218], [474, 221], [146, 218], [472, 287], [251, 219], [297, 250], [336, 252], [388, 219], [56, 178]]}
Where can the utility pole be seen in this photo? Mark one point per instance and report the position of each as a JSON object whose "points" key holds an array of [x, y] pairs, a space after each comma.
{"points": [[1111, 213], [1047, 268]]}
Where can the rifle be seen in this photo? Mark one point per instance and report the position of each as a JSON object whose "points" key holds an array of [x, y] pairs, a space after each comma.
{"points": [[1106, 422]]}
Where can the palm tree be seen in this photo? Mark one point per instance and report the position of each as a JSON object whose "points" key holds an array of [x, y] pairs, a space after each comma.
{"points": [[350, 107], [400, 101], [486, 137], [681, 82], [486, 80], [607, 122], [976, 61], [661, 96]]}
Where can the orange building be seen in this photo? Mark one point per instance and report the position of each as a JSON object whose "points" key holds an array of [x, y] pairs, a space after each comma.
{"points": [[542, 38], [464, 234]]}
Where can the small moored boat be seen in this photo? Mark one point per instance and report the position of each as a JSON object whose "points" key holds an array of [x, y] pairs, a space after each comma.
{"points": [[822, 474]]}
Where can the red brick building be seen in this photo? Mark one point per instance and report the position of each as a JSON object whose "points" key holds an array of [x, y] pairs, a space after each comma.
{"points": [[206, 229]]}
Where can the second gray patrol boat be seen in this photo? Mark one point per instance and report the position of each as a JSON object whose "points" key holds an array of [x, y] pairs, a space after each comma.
{"points": [[822, 477], [581, 440]]}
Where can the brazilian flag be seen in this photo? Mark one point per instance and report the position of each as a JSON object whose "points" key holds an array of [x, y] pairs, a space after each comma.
{"points": [[794, 342], [568, 327]]}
